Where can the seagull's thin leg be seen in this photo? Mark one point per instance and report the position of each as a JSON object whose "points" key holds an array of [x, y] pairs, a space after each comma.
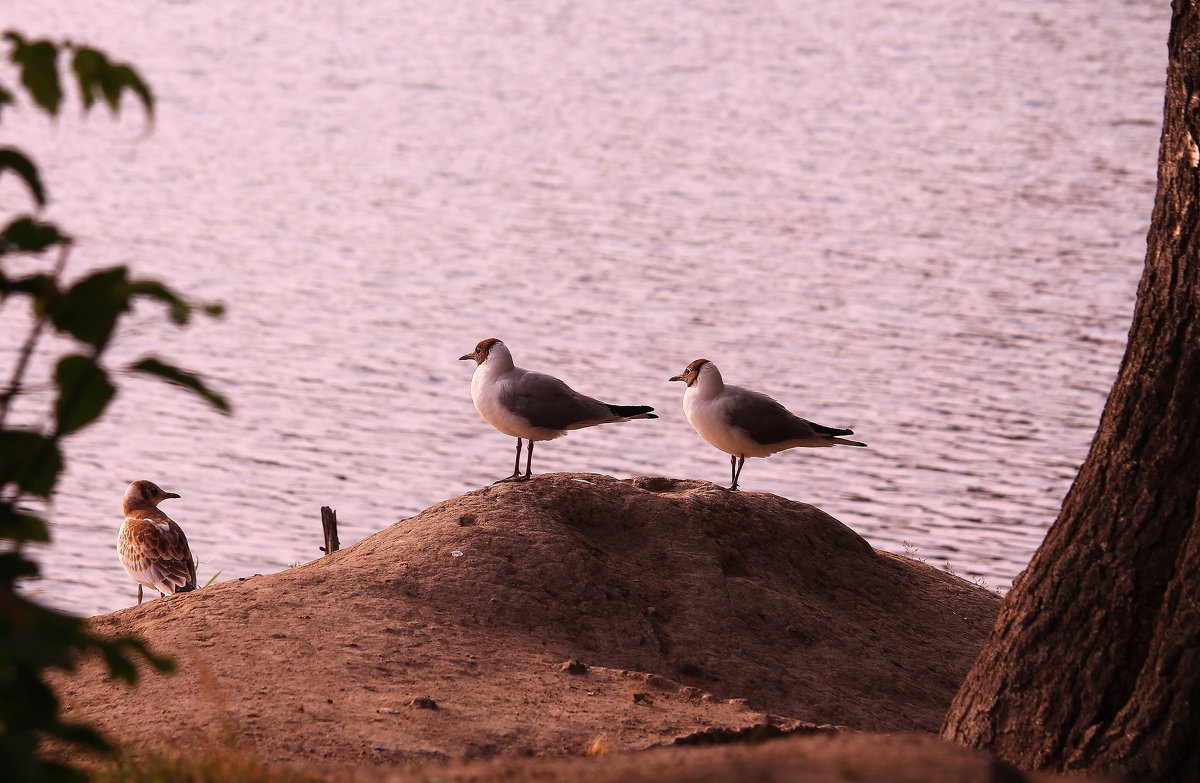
{"points": [[516, 474], [529, 459], [737, 471], [139, 593]]}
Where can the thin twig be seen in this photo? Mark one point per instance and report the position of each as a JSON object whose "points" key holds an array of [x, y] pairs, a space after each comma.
{"points": [[14, 384]]}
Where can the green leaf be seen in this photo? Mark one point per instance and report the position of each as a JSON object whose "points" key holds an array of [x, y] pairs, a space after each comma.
{"points": [[14, 566], [84, 391], [29, 460], [122, 77], [27, 235], [89, 309], [88, 64], [188, 380], [13, 159], [41, 287], [181, 311], [17, 525], [99, 77], [38, 62]]}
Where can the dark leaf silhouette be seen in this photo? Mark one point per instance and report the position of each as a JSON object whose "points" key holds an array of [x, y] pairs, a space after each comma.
{"points": [[29, 460], [180, 310], [90, 308], [18, 525], [84, 391], [38, 63], [188, 380], [12, 159], [27, 235], [100, 78]]}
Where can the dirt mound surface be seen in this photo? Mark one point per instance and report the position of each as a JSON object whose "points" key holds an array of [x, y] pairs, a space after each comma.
{"points": [[694, 609]]}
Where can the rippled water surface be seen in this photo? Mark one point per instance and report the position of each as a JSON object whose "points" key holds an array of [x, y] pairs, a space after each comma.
{"points": [[925, 220]]}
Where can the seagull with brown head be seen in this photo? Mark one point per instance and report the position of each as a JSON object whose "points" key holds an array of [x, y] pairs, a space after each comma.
{"points": [[534, 406], [745, 423], [152, 548]]}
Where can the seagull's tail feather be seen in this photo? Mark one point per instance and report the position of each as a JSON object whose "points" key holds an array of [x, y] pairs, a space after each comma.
{"points": [[831, 432], [632, 411]]}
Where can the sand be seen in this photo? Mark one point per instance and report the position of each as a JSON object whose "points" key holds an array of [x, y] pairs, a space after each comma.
{"points": [[693, 614]]}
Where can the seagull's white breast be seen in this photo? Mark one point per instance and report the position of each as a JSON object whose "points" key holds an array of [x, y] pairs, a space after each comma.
{"points": [[486, 388], [708, 416]]}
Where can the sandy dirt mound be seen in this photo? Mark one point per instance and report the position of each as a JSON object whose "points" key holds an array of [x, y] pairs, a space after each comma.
{"points": [[695, 607]]}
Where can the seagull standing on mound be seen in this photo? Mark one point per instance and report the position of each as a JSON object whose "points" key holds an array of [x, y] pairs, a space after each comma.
{"points": [[151, 546], [744, 423], [534, 406]]}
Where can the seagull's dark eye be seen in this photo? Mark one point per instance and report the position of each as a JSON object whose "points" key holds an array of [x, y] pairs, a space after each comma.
{"points": [[153, 491]]}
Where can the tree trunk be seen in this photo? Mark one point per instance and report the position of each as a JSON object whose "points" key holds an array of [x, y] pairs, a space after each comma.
{"points": [[1094, 662]]}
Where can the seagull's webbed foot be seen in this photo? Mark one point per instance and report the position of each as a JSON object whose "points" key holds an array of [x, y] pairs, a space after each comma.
{"points": [[735, 464], [516, 474]]}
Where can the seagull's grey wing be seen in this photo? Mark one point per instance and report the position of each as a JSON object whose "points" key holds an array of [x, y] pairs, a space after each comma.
{"points": [[545, 401], [765, 420]]}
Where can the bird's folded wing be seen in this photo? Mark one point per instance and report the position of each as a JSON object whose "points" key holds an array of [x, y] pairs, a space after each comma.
{"points": [[765, 420], [545, 401], [157, 553]]}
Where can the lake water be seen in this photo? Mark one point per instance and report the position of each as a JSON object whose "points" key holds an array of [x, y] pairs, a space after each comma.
{"points": [[924, 220]]}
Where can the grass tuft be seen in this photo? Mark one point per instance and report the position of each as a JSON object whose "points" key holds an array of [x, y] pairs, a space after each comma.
{"points": [[226, 765], [599, 746]]}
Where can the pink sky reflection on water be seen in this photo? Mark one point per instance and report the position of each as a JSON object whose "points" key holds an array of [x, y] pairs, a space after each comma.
{"points": [[925, 221]]}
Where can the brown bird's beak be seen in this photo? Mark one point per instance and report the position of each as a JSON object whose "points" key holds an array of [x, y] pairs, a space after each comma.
{"points": [[467, 356], [169, 495], [678, 378]]}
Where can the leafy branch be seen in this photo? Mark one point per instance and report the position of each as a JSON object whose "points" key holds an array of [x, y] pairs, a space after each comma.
{"points": [[33, 638]]}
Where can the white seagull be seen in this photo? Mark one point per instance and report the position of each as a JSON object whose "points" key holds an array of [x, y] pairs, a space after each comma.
{"points": [[530, 405], [151, 546], [745, 423]]}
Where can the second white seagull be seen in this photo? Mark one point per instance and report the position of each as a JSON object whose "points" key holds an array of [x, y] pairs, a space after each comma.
{"points": [[532, 405], [745, 423]]}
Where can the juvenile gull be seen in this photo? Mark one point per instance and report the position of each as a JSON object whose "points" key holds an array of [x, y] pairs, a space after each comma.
{"points": [[746, 423], [151, 546], [534, 406]]}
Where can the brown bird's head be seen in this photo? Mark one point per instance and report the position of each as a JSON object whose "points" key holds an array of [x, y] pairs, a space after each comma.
{"points": [[482, 351], [691, 372], [145, 494]]}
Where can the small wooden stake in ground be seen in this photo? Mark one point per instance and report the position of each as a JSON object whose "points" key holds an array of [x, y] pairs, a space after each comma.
{"points": [[329, 526]]}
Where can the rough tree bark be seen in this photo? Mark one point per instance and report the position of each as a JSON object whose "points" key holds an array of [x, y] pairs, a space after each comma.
{"points": [[1094, 662]]}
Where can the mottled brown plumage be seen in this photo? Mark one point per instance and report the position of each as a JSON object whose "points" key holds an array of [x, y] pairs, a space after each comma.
{"points": [[152, 548]]}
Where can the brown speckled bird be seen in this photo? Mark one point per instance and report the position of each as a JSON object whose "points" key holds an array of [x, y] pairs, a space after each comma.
{"points": [[151, 546]]}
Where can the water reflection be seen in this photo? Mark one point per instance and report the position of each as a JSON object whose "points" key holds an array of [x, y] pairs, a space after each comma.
{"points": [[924, 220]]}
